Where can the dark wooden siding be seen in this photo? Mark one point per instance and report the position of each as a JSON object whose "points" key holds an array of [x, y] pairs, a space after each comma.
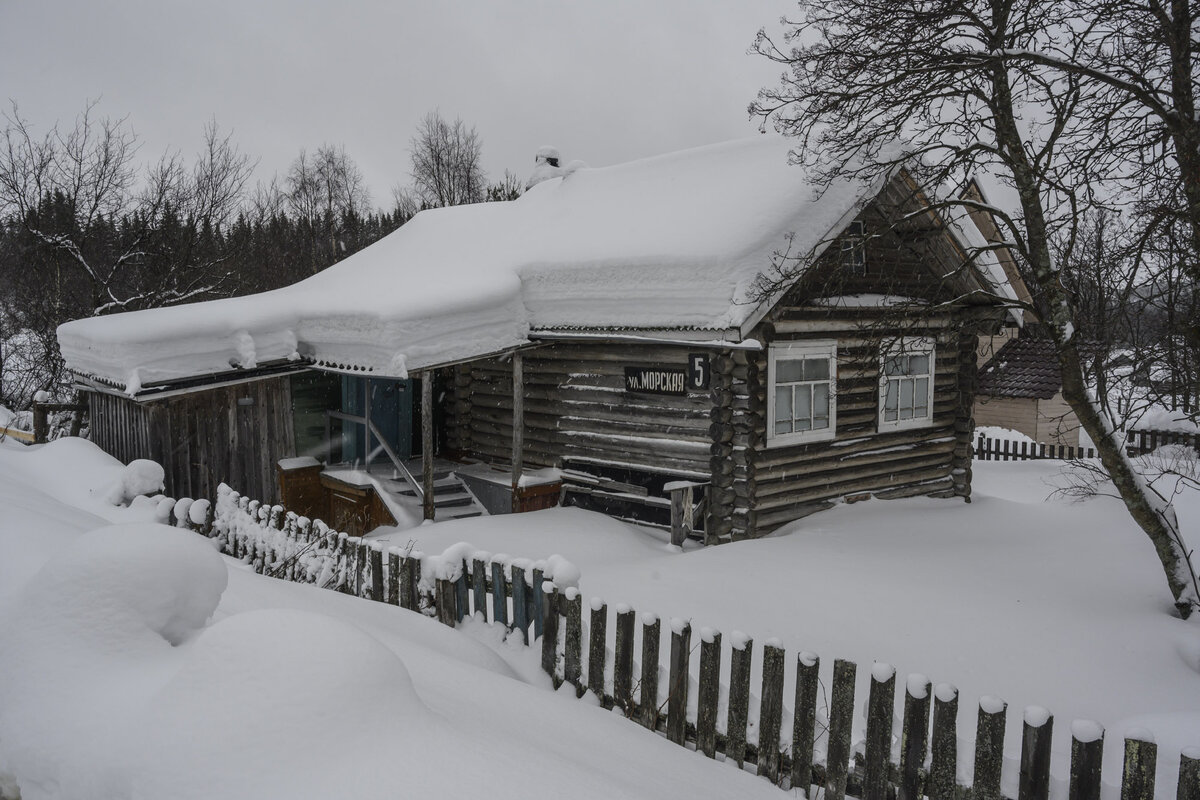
{"points": [[576, 407], [771, 485], [204, 438]]}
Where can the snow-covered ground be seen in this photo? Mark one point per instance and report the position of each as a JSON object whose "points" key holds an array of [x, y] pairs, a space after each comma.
{"points": [[113, 682]]}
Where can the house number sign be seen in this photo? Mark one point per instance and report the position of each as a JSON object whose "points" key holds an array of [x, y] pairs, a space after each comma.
{"points": [[669, 380]]}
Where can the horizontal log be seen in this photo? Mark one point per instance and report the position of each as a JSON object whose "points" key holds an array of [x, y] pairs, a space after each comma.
{"points": [[832, 491], [887, 464]]}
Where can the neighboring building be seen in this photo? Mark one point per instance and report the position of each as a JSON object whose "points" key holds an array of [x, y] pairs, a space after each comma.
{"points": [[1020, 388], [702, 323]]}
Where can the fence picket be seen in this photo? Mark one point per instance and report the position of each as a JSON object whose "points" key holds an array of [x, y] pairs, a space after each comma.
{"points": [[393, 578], [573, 644], [989, 748], [709, 692], [623, 660], [914, 737], [944, 743], [538, 592], [804, 720], [648, 700], [597, 649], [444, 602], [410, 580], [1189, 769], [520, 616], [1137, 779], [375, 555], [1087, 754], [550, 616], [462, 594], [880, 703], [499, 595], [841, 722], [677, 680], [738, 710], [479, 592], [770, 713], [1035, 755]]}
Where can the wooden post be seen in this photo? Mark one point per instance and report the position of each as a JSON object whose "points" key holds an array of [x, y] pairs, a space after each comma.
{"points": [[677, 686], [462, 594], [40, 423], [499, 594], [444, 599], [804, 720], [393, 578], [427, 443], [623, 660], [989, 748], [739, 698], [518, 427], [770, 712], [1087, 753], [360, 565], [945, 743], [376, 559], [841, 721], [479, 587], [573, 655], [682, 508], [914, 738], [538, 600], [1137, 779], [880, 702], [648, 701], [550, 635], [1035, 754], [1189, 768], [709, 692], [410, 579], [597, 636], [521, 609]]}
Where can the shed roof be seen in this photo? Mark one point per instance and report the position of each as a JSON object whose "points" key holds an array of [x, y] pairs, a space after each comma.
{"points": [[1027, 367], [670, 243]]}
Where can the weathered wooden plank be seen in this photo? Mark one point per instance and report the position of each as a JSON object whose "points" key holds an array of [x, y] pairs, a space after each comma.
{"points": [[989, 748], [709, 692], [410, 579], [479, 588], [393, 577], [573, 652], [770, 715], [1087, 754], [518, 427], [880, 703], [521, 607], [738, 710], [677, 680], [499, 594], [550, 620], [804, 720], [914, 738], [445, 602], [462, 594], [1137, 777], [841, 719], [1188, 787], [1038, 728], [623, 660], [648, 700], [375, 559], [597, 647], [427, 507]]}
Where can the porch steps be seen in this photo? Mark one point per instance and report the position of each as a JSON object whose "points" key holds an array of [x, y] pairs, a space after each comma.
{"points": [[451, 497]]}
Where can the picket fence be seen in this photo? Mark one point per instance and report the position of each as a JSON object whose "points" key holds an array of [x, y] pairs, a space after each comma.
{"points": [[522, 597], [1138, 442]]}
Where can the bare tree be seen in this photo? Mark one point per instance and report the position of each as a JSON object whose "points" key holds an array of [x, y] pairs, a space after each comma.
{"points": [[328, 194], [446, 163], [875, 84]]}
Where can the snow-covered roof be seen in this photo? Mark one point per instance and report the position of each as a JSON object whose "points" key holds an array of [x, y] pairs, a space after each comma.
{"points": [[671, 242]]}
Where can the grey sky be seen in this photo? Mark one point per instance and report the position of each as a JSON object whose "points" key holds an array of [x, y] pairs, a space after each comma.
{"points": [[605, 80]]}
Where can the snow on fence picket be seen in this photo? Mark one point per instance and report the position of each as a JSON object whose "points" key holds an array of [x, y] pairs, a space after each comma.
{"points": [[1137, 442], [926, 762]]}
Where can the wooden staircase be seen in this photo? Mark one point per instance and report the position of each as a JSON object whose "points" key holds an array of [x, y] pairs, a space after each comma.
{"points": [[451, 497]]}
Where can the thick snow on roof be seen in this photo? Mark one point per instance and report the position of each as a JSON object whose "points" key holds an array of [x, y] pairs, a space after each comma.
{"points": [[669, 242]]}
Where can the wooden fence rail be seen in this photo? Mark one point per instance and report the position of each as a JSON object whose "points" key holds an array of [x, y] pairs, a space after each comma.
{"points": [[522, 598]]}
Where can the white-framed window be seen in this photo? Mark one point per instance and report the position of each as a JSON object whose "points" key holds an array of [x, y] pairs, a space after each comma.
{"points": [[854, 249], [906, 369], [802, 392]]}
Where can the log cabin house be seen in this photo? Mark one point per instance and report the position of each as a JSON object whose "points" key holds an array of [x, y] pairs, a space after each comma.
{"points": [[701, 339]]}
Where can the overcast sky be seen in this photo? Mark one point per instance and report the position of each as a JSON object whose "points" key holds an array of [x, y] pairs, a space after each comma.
{"points": [[605, 81]]}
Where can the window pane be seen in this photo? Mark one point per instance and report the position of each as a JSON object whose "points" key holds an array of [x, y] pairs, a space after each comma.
{"points": [[783, 409], [820, 405], [789, 370], [921, 398], [816, 369], [893, 366], [889, 401], [803, 413], [906, 399], [919, 365]]}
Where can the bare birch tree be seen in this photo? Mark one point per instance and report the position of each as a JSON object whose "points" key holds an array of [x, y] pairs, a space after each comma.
{"points": [[447, 165], [871, 85]]}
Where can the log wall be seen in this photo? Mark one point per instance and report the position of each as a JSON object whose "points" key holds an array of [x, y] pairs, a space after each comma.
{"points": [[229, 434]]}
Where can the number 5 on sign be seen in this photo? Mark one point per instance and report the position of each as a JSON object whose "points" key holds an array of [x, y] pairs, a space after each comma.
{"points": [[698, 373]]}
